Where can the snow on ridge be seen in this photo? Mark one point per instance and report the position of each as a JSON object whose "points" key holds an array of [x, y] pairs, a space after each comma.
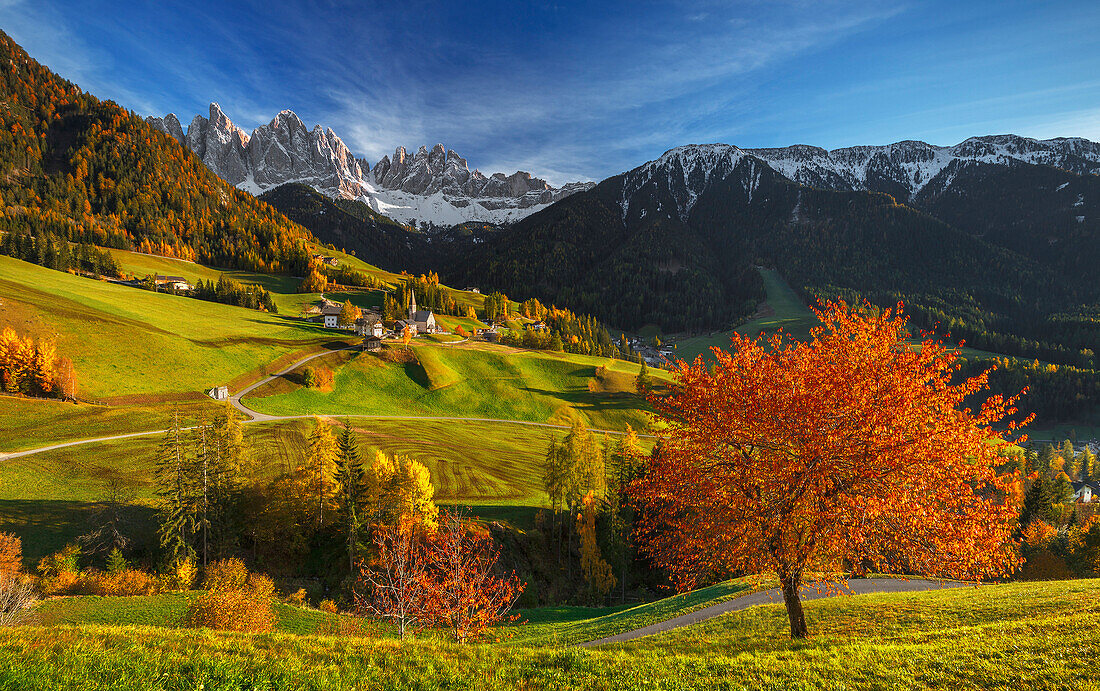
{"points": [[912, 165], [685, 171]]}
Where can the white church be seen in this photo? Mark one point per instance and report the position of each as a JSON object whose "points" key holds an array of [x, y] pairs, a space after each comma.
{"points": [[418, 321]]}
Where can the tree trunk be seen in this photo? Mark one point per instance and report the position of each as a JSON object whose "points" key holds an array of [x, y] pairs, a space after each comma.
{"points": [[790, 585]]}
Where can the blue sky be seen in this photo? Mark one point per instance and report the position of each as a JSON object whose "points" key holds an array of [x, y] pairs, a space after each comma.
{"points": [[583, 90]]}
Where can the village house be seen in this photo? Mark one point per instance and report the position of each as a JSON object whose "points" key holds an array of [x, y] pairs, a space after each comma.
{"points": [[1086, 492], [536, 326], [372, 344], [370, 324], [176, 283], [219, 393]]}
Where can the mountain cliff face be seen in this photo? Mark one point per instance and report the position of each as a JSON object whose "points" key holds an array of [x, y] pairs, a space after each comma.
{"points": [[434, 187]]}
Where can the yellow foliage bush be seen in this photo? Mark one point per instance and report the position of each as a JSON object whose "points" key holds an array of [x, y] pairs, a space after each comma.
{"points": [[226, 574], [327, 606], [298, 597], [231, 610], [123, 583]]}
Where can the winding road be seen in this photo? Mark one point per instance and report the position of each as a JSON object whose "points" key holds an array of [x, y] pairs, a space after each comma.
{"points": [[811, 591], [256, 416]]}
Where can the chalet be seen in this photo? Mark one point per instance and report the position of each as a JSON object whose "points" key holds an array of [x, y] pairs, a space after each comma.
{"points": [[219, 393], [1086, 492], [330, 261], [473, 290], [400, 325], [370, 324], [491, 334], [177, 283], [536, 326], [372, 344]]}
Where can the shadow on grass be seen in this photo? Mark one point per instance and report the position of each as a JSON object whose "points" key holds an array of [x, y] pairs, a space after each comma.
{"points": [[45, 526]]}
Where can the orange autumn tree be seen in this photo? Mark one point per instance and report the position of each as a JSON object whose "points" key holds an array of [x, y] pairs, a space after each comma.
{"points": [[852, 451]]}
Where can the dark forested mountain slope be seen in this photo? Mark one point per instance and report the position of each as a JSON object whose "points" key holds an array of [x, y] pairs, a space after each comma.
{"points": [[352, 226], [673, 242], [87, 170]]}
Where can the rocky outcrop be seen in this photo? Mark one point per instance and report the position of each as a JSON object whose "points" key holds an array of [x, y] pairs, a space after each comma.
{"points": [[432, 186]]}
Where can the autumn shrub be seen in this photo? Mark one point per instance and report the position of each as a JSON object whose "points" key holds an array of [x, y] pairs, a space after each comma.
{"points": [[67, 560], [327, 606], [129, 582], [178, 577], [225, 574], [11, 554], [298, 597], [233, 599], [231, 610]]}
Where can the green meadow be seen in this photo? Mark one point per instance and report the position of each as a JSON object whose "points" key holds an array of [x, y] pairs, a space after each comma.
{"points": [[1015, 636], [128, 343], [782, 310], [471, 380]]}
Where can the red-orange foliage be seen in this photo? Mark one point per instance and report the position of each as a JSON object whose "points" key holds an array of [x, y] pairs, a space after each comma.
{"points": [[467, 595], [398, 586], [11, 554], [851, 451]]}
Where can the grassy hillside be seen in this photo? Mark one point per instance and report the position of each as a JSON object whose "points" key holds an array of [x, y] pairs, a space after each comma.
{"points": [[129, 342], [782, 309], [1033, 636], [472, 380]]}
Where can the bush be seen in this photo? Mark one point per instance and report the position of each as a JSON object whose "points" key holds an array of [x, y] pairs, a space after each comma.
{"points": [[127, 582], [226, 574], [65, 561], [11, 554], [298, 597], [180, 577], [327, 606], [231, 610]]}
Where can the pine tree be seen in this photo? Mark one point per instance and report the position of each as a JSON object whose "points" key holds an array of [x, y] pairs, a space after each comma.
{"points": [[174, 487], [642, 383], [319, 470], [350, 478], [1038, 503]]}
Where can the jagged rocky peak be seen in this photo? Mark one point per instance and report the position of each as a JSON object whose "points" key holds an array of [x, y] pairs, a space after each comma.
{"points": [[169, 124], [402, 186]]}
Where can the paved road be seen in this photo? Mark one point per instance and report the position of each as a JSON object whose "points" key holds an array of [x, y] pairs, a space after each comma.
{"points": [[256, 416], [767, 597]]}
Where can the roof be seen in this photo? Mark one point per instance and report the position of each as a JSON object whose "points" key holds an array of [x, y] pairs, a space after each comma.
{"points": [[171, 279], [423, 315], [334, 308], [1091, 484]]}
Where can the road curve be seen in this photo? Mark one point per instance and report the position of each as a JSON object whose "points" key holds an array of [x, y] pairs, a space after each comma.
{"points": [[811, 591]]}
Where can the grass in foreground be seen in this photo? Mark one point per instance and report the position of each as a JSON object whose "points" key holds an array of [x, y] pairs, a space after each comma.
{"points": [[875, 643]]}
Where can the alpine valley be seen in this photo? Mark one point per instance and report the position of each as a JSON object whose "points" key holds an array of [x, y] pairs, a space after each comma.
{"points": [[276, 417]]}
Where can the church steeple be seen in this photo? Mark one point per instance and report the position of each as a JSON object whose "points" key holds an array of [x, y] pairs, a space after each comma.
{"points": [[412, 304]]}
